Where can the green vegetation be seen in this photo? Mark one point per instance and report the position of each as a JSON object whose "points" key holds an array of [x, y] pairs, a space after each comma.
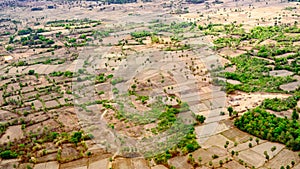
{"points": [[31, 72], [66, 74], [141, 34], [3, 128], [277, 104], [76, 137], [290, 8], [262, 124], [200, 118], [39, 41], [253, 73], [173, 27], [167, 119], [8, 154], [186, 145], [102, 78], [9, 48], [25, 31], [143, 99]]}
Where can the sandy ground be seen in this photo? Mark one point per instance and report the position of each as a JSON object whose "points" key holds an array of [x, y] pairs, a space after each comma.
{"points": [[192, 87]]}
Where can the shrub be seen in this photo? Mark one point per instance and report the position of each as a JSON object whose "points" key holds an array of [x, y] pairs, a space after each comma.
{"points": [[8, 154], [31, 72]]}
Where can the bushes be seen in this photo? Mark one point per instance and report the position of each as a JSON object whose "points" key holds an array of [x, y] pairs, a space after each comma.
{"points": [[200, 118], [262, 124], [143, 99], [25, 31], [76, 137], [263, 33], [140, 34], [3, 128], [8, 154], [9, 48], [167, 119], [59, 73], [31, 72], [277, 104]]}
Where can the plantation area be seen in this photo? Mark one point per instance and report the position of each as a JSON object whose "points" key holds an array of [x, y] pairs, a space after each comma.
{"points": [[267, 126]]}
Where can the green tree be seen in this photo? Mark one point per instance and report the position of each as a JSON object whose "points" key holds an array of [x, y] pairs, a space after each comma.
{"points": [[273, 148], [76, 137], [31, 72], [295, 115], [200, 159], [8, 154], [9, 48], [221, 163], [230, 110], [293, 163], [200, 118], [257, 140]]}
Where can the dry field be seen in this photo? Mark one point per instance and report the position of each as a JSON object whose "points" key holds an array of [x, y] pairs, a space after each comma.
{"points": [[87, 85]]}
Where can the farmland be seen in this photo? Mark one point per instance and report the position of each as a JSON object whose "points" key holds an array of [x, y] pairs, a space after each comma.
{"points": [[142, 84]]}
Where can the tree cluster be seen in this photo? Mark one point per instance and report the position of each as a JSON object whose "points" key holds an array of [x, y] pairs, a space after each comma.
{"points": [[262, 124]]}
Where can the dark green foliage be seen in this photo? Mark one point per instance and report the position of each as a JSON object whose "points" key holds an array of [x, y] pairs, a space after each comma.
{"points": [[141, 34], [277, 104], [8, 154], [31, 72], [3, 128], [295, 115], [36, 39], [25, 31], [200, 118], [52, 135], [9, 48], [167, 119], [68, 74], [76, 137], [215, 156], [230, 110], [101, 78], [262, 124]]}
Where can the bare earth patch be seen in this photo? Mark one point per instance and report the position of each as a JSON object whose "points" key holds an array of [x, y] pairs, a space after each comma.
{"points": [[13, 132]]}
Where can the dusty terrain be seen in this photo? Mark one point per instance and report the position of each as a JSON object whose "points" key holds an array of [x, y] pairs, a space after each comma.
{"points": [[86, 85]]}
